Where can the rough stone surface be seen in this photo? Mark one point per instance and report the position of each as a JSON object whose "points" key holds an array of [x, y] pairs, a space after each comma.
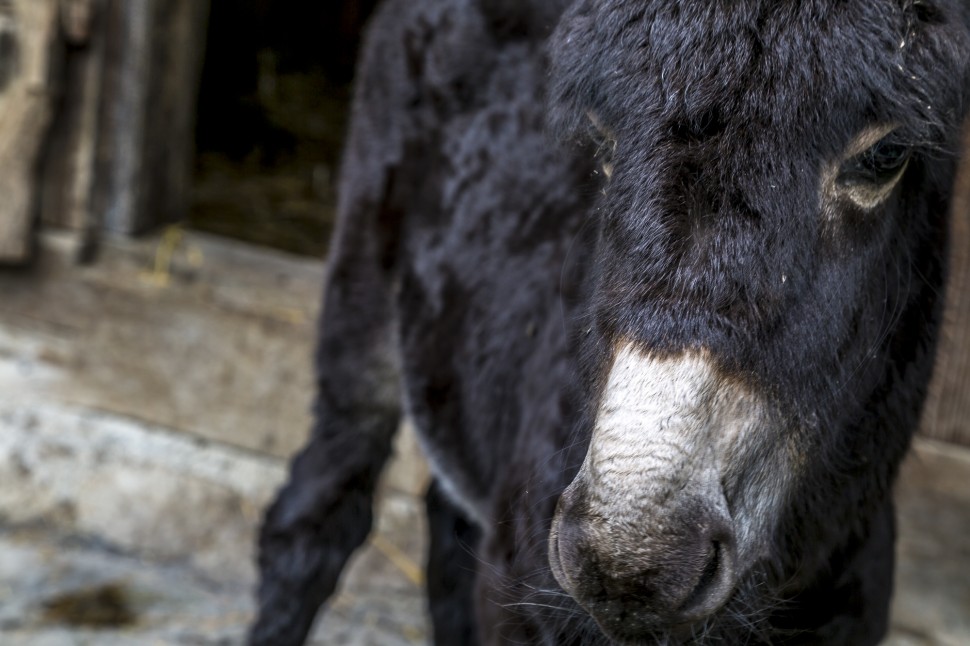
{"points": [[143, 416], [186, 332], [155, 603], [145, 490]]}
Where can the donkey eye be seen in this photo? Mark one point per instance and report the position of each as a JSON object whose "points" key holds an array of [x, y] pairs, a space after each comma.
{"points": [[881, 163]]}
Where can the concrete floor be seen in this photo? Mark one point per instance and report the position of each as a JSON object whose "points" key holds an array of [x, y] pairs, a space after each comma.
{"points": [[147, 404]]}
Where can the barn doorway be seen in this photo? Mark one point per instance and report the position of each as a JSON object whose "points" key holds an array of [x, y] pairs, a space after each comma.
{"points": [[271, 119]]}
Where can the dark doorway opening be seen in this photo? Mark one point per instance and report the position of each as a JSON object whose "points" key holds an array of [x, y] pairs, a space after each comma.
{"points": [[271, 119]]}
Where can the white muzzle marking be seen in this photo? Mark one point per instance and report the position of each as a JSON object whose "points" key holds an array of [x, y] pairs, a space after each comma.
{"points": [[667, 426]]}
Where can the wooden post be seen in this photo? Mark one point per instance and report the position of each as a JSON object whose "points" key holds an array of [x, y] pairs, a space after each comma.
{"points": [[947, 414], [68, 170], [27, 28], [119, 154], [178, 47], [152, 65]]}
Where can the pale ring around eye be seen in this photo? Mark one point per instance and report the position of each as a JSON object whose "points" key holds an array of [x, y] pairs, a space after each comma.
{"points": [[869, 170]]}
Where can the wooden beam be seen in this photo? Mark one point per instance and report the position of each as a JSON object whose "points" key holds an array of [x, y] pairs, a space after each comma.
{"points": [[152, 63], [27, 28], [947, 413], [68, 170], [119, 152], [178, 49], [125, 108]]}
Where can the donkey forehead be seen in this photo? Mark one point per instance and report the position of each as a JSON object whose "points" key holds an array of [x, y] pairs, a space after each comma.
{"points": [[764, 66]]}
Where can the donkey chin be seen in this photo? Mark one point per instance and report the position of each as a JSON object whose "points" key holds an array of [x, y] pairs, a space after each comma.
{"points": [[644, 538]]}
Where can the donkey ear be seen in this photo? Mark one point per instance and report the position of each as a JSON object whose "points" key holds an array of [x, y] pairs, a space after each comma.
{"points": [[579, 65]]}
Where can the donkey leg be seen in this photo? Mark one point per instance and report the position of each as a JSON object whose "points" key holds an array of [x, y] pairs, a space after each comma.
{"points": [[451, 571], [324, 512]]}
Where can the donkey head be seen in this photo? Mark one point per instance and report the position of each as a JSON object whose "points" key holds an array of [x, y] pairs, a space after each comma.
{"points": [[771, 233]]}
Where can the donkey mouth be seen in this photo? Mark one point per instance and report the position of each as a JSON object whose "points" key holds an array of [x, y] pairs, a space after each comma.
{"points": [[638, 616], [633, 606]]}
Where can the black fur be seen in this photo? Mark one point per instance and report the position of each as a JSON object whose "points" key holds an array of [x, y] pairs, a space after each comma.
{"points": [[451, 569], [482, 273]]}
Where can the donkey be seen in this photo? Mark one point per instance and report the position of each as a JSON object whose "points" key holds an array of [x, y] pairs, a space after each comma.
{"points": [[658, 283]]}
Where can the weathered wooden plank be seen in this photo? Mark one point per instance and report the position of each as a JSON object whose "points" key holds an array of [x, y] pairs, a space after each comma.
{"points": [[125, 105], [67, 174], [26, 30], [947, 414], [178, 49], [152, 65]]}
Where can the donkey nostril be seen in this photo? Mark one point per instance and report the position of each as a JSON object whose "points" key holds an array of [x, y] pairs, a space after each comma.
{"points": [[714, 585], [710, 570]]}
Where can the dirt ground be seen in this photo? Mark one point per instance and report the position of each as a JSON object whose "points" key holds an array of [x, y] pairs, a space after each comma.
{"points": [[147, 407]]}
